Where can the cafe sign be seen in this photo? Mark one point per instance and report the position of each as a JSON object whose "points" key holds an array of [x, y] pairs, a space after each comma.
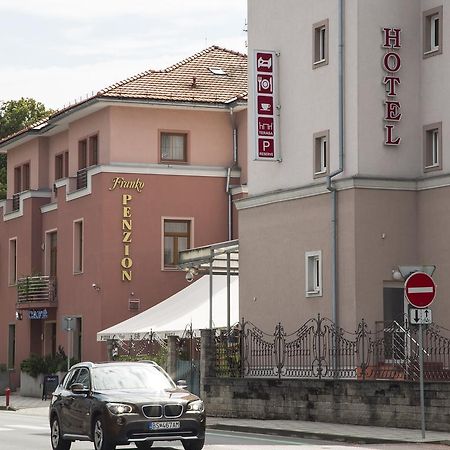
{"points": [[126, 261], [391, 64]]}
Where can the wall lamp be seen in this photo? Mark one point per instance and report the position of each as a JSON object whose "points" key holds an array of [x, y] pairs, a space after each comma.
{"points": [[95, 286], [190, 274]]}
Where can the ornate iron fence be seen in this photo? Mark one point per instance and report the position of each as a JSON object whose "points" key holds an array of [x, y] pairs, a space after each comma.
{"points": [[319, 349]]}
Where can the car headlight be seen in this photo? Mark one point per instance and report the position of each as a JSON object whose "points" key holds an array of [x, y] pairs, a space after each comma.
{"points": [[119, 408], [196, 406]]}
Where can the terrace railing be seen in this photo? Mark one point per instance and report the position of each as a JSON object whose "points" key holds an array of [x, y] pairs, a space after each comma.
{"points": [[39, 289]]}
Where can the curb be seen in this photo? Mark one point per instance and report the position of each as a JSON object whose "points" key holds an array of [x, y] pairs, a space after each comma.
{"points": [[7, 408], [315, 435]]}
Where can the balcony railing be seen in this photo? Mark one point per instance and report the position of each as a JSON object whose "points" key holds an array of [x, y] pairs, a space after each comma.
{"points": [[39, 289], [16, 202], [82, 178]]}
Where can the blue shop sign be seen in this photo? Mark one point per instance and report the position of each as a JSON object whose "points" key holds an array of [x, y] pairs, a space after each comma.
{"points": [[38, 314]]}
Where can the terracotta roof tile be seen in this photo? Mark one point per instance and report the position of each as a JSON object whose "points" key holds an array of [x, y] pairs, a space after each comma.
{"points": [[191, 80]]}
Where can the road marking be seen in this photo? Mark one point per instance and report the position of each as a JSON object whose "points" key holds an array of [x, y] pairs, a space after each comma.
{"points": [[6, 429], [28, 427]]}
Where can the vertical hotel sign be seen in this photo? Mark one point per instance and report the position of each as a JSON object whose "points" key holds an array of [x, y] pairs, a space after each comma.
{"points": [[266, 105], [391, 65]]}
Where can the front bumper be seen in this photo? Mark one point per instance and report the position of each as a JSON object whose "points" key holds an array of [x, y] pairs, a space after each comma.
{"points": [[128, 428]]}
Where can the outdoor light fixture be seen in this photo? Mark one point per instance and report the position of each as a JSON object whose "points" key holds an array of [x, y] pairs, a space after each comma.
{"points": [[403, 272], [19, 315], [190, 273], [96, 286]]}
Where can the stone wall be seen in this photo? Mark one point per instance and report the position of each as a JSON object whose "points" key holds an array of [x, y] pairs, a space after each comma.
{"points": [[375, 403]]}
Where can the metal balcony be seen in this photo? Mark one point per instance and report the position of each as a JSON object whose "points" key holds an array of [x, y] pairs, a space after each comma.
{"points": [[36, 292]]}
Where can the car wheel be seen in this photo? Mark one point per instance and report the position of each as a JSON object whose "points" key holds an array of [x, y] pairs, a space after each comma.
{"points": [[58, 443], [197, 444], [144, 445], [101, 441]]}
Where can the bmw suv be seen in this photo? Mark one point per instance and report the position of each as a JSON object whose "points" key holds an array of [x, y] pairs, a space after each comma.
{"points": [[119, 403]]}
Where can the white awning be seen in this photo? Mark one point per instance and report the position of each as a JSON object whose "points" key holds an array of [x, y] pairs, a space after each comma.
{"points": [[176, 314]]}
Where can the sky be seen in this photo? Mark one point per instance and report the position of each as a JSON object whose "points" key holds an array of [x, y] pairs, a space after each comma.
{"points": [[60, 51]]}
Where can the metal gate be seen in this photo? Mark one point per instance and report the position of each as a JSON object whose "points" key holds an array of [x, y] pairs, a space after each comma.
{"points": [[188, 361]]}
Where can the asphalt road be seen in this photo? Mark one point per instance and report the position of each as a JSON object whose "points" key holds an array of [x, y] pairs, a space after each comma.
{"points": [[27, 432]]}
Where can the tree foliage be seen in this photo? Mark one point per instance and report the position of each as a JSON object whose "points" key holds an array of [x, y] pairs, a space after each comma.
{"points": [[14, 116]]}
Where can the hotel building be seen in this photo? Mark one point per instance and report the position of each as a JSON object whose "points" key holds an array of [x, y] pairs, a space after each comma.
{"points": [[349, 162], [103, 194]]}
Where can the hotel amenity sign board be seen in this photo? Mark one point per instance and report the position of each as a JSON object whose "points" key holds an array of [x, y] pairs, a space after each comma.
{"points": [[265, 84]]}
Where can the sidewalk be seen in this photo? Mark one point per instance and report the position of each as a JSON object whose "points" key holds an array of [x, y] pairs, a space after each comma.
{"points": [[295, 428]]}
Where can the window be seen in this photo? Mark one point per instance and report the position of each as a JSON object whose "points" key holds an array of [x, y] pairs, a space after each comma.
{"points": [[313, 273], [78, 245], [177, 237], [320, 44], [93, 150], [432, 147], [22, 178], [321, 153], [62, 165], [88, 152], [51, 253], [12, 261], [82, 154], [432, 32], [173, 147]]}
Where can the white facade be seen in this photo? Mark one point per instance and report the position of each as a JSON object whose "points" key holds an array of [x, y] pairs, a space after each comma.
{"points": [[391, 196]]}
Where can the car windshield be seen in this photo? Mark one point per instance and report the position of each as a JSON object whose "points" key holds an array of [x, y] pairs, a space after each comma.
{"points": [[139, 376]]}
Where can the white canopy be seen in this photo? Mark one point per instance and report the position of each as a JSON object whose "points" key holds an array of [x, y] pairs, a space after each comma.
{"points": [[175, 314]]}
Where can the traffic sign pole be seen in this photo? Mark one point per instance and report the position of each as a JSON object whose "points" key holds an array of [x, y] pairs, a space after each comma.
{"points": [[422, 394]]}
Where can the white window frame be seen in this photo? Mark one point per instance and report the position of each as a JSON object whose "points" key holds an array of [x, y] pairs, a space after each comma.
{"points": [[313, 273], [431, 19], [432, 153], [321, 148], [320, 44]]}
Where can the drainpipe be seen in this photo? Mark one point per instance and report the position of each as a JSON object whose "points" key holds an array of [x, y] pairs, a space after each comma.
{"points": [[330, 186], [228, 187]]}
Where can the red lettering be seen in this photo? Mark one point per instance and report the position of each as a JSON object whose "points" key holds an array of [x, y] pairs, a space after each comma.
{"points": [[388, 59], [392, 37], [389, 140], [392, 111], [391, 82]]}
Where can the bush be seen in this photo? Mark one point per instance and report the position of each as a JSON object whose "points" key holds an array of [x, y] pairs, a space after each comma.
{"points": [[36, 365]]}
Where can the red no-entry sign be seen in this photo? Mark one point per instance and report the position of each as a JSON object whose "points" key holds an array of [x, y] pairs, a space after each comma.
{"points": [[420, 289]]}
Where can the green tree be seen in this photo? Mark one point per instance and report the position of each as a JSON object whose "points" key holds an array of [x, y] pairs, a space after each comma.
{"points": [[14, 116]]}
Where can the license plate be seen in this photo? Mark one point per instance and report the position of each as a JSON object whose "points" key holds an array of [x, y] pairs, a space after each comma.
{"points": [[164, 425]]}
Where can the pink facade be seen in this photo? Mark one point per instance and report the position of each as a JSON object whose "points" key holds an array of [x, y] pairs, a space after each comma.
{"points": [[102, 210]]}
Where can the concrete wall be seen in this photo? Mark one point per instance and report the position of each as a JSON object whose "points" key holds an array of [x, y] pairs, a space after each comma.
{"points": [[373, 403]]}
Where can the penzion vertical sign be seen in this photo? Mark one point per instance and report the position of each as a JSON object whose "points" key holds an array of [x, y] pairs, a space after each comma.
{"points": [[265, 84], [391, 64]]}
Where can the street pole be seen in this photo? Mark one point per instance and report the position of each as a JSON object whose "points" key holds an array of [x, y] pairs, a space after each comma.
{"points": [[69, 330], [422, 395]]}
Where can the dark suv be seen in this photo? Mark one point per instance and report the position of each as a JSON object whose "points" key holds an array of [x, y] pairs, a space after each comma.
{"points": [[118, 403]]}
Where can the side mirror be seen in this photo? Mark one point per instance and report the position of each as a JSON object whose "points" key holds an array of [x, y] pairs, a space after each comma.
{"points": [[181, 384], [79, 388]]}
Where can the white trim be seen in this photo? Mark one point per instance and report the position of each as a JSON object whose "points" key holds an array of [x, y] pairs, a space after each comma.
{"points": [[267, 198], [19, 213], [242, 189], [49, 207]]}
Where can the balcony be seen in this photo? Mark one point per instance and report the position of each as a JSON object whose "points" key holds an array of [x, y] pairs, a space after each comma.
{"points": [[36, 292]]}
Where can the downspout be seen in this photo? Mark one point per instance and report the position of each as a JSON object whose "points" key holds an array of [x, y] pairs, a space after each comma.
{"points": [[228, 186], [330, 186]]}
